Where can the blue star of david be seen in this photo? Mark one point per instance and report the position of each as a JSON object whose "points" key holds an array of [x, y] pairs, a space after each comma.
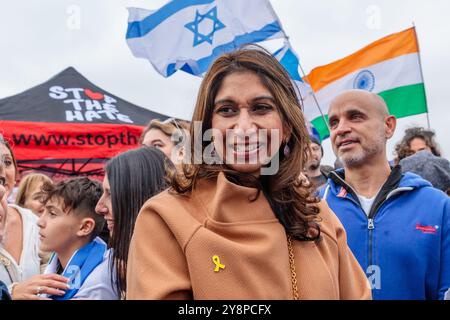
{"points": [[193, 26]]}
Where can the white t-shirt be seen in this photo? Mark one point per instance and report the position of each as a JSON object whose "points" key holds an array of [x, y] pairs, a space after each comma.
{"points": [[366, 203], [29, 265], [97, 285]]}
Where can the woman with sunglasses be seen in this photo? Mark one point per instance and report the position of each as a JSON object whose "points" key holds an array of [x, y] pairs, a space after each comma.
{"points": [[170, 136], [243, 226]]}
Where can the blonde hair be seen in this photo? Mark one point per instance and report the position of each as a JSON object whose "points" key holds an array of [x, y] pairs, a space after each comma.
{"points": [[168, 127], [28, 183]]}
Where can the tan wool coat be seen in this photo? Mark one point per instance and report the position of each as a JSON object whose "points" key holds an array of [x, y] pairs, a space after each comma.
{"points": [[217, 244]]}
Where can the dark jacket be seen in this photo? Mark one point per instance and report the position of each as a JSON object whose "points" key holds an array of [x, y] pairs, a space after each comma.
{"points": [[4, 294]]}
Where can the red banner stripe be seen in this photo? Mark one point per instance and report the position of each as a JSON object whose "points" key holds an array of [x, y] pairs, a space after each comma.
{"points": [[49, 140]]}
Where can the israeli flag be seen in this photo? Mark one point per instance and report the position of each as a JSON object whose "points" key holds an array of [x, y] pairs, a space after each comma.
{"points": [[189, 35], [289, 60]]}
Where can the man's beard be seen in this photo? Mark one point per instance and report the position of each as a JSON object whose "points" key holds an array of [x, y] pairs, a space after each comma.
{"points": [[360, 158], [314, 165]]}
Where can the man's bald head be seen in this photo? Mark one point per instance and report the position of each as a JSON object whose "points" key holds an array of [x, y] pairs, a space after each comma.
{"points": [[361, 98], [360, 125]]}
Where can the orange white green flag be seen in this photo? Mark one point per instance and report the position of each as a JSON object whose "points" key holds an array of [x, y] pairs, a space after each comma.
{"points": [[389, 67]]}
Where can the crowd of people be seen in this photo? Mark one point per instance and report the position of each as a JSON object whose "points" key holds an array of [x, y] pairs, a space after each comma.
{"points": [[237, 205]]}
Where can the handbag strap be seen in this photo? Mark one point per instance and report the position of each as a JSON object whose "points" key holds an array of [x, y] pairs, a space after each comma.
{"points": [[292, 266]]}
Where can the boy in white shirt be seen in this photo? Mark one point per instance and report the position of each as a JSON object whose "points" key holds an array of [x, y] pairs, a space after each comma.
{"points": [[69, 227]]}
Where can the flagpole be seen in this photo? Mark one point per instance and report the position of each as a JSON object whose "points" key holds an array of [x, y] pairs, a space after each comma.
{"points": [[421, 73], [301, 68], [314, 95]]}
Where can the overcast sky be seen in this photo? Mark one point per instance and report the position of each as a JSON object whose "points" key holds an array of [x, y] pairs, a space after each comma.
{"points": [[39, 38]]}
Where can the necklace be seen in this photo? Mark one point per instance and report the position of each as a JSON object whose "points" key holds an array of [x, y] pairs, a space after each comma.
{"points": [[292, 266]]}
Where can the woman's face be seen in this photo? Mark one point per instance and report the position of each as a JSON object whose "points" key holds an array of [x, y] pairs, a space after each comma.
{"points": [[104, 205], [243, 107], [158, 139], [418, 144], [33, 200], [10, 170]]}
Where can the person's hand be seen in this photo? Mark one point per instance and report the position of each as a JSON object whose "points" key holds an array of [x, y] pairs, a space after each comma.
{"points": [[31, 289]]}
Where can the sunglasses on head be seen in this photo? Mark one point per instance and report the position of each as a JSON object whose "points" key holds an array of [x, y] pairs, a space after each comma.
{"points": [[176, 124], [172, 121]]}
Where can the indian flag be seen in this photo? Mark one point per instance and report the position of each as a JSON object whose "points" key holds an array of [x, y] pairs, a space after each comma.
{"points": [[389, 67]]}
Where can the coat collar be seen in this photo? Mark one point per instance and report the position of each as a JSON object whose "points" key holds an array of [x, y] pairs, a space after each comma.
{"points": [[227, 202], [392, 182]]}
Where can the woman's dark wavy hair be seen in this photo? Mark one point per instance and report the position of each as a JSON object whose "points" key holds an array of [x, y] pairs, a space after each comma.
{"points": [[134, 177], [292, 201], [403, 148]]}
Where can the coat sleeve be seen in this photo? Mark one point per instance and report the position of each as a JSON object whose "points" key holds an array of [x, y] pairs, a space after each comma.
{"points": [[157, 267], [353, 283]]}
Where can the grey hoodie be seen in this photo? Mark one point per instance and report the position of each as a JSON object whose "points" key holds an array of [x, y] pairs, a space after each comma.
{"points": [[430, 167]]}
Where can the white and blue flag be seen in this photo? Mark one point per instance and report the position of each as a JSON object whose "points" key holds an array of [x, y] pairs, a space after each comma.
{"points": [[189, 35], [289, 60]]}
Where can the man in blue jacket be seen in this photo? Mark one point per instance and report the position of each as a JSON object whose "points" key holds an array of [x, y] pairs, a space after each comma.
{"points": [[397, 224]]}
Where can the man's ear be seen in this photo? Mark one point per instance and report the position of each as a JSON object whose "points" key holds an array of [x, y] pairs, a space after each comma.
{"points": [[87, 226], [390, 125]]}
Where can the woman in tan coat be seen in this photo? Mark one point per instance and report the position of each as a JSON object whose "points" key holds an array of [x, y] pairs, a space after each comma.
{"points": [[240, 224]]}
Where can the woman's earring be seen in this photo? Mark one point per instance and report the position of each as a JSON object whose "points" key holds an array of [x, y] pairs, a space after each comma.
{"points": [[287, 150]]}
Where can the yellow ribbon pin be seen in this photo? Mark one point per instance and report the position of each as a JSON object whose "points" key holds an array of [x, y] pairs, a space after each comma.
{"points": [[216, 261]]}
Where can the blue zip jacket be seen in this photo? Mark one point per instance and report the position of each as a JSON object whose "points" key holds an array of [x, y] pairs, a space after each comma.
{"points": [[404, 243]]}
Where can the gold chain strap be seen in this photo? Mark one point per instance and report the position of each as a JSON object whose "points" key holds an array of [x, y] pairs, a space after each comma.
{"points": [[292, 265]]}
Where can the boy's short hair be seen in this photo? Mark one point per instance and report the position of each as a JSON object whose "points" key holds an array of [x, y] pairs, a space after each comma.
{"points": [[79, 195]]}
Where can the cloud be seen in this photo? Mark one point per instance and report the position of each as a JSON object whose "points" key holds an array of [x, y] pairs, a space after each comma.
{"points": [[37, 42]]}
